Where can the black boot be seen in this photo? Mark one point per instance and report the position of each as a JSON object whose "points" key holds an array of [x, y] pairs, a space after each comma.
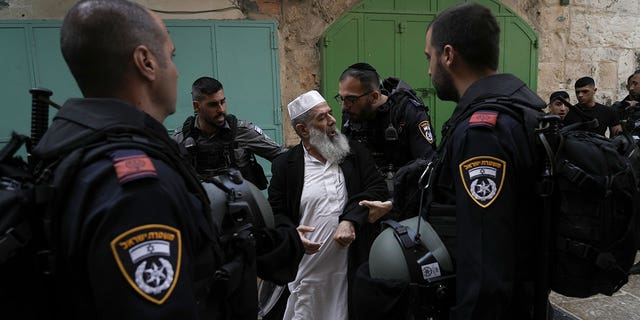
{"points": [[635, 269]]}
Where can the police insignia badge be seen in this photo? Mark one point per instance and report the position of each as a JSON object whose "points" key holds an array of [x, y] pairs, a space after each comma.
{"points": [[149, 258], [482, 178], [425, 129]]}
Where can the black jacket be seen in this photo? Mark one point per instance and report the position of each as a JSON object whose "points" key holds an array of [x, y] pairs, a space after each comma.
{"points": [[132, 199], [362, 181]]}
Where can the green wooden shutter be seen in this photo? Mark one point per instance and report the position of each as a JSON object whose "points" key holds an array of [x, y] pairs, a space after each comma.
{"points": [[243, 55], [390, 34]]}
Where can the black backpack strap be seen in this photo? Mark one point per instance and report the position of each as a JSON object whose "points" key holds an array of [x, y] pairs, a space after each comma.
{"points": [[231, 144], [10, 149], [410, 246]]}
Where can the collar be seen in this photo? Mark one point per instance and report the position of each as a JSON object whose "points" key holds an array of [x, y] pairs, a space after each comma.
{"points": [[503, 85], [79, 118], [497, 85], [99, 113]]}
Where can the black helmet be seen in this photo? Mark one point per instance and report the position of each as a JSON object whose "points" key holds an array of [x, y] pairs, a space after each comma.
{"points": [[397, 255], [237, 202]]}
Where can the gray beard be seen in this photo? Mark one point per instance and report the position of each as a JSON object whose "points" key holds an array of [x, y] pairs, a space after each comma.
{"points": [[333, 149]]}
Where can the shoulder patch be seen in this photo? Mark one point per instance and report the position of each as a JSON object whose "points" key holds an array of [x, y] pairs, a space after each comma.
{"points": [[257, 129], [425, 129], [132, 164], [484, 118], [482, 178], [149, 258]]}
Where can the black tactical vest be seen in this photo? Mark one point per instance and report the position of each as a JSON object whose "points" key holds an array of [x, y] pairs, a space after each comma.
{"points": [[208, 158]]}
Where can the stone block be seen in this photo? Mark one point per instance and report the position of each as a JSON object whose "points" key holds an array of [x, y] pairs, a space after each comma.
{"points": [[608, 76], [553, 46]]}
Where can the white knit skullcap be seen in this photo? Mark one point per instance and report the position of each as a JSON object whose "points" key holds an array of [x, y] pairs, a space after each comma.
{"points": [[304, 103]]}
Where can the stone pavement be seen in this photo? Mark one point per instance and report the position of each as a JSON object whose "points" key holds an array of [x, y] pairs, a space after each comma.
{"points": [[623, 305]]}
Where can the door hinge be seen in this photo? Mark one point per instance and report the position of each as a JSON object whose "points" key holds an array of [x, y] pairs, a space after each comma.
{"points": [[326, 41], [274, 40]]}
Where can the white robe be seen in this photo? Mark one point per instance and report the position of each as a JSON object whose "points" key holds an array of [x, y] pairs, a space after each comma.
{"points": [[319, 291]]}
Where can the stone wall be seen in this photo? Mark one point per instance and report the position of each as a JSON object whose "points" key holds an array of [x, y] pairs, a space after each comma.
{"points": [[301, 26], [597, 38], [168, 9]]}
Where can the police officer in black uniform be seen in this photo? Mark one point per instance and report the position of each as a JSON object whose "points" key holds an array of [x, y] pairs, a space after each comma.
{"points": [[485, 173], [389, 119], [135, 238], [215, 140], [628, 109]]}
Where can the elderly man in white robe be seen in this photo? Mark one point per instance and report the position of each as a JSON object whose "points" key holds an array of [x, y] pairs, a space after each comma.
{"points": [[319, 184]]}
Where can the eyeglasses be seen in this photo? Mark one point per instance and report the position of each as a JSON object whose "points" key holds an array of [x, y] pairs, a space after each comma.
{"points": [[349, 100]]}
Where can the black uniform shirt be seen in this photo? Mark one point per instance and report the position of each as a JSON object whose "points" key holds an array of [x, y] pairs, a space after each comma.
{"points": [[134, 242], [415, 142], [489, 174], [607, 117]]}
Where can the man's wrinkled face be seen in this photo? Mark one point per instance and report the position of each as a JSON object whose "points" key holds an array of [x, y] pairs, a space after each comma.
{"points": [[212, 108], [324, 137], [440, 78], [323, 119]]}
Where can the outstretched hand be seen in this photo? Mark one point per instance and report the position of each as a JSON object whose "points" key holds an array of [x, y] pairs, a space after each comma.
{"points": [[377, 209], [310, 247]]}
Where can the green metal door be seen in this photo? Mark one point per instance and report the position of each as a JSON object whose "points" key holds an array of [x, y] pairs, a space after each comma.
{"points": [[243, 55], [390, 35]]}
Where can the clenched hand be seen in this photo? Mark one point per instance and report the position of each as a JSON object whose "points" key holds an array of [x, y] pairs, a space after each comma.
{"points": [[345, 233]]}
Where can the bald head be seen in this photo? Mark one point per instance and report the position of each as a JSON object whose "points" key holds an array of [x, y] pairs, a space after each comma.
{"points": [[98, 38]]}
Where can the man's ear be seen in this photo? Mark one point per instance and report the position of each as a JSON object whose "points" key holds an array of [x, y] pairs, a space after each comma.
{"points": [[448, 55], [196, 106], [145, 62], [302, 130], [375, 95]]}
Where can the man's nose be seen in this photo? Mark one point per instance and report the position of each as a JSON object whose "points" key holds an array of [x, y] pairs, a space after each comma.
{"points": [[344, 106], [332, 120]]}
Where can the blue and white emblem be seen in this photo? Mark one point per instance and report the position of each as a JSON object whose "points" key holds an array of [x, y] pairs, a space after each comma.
{"points": [[482, 178], [149, 258]]}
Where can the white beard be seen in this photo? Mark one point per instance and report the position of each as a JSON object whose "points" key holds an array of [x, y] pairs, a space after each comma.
{"points": [[333, 149]]}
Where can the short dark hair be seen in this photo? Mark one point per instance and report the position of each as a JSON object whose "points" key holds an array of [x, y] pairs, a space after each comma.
{"points": [[472, 30], [203, 87], [585, 81], [365, 73], [98, 38]]}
